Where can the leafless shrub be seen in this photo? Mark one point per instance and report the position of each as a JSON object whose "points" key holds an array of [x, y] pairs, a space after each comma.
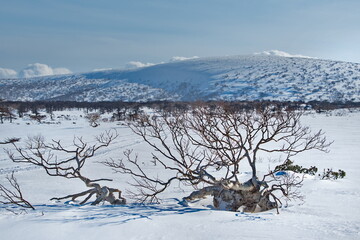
{"points": [[37, 117], [93, 118], [67, 162]]}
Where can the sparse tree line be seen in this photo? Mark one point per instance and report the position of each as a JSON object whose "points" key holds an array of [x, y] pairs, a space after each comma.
{"points": [[9, 110], [39, 111], [202, 145]]}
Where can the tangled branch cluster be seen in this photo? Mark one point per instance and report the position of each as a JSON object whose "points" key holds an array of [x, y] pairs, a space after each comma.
{"points": [[195, 144]]}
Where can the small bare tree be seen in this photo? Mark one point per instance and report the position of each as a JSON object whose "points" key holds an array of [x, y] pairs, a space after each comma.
{"points": [[67, 162], [6, 113], [12, 195], [93, 119], [205, 146]]}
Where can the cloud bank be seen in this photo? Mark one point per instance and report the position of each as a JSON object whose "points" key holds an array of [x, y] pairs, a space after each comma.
{"points": [[280, 54], [39, 69], [33, 70], [7, 73], [137, 64], [177, 58], [102, 69], [59, 71]]}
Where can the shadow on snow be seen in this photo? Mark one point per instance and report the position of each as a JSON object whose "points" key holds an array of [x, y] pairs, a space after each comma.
{"points": [[107, 214]]}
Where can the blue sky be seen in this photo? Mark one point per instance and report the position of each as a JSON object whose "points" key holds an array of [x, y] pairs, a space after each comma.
{"points": [[85, 34]]}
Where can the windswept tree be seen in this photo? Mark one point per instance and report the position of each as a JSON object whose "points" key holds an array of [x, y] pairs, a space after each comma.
{"points": [[206, 147], [67, 162]]}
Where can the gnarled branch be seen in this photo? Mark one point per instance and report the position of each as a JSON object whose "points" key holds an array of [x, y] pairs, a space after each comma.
{"points": [[58, 160]]}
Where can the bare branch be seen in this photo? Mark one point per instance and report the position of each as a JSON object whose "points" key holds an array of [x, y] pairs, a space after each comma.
{"points": [[9, 140], [13, 195]]}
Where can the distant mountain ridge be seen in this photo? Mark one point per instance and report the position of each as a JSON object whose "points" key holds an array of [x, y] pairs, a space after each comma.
{"points": [[253, 77]]}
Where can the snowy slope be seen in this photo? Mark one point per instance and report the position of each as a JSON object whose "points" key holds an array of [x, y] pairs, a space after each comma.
{"points": [[253, 77], [330, 210]]}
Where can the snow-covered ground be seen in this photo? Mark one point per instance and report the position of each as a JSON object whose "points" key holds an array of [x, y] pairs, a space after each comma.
{"points": [[330, 211]]}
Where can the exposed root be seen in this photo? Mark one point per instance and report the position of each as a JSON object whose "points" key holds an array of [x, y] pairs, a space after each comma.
{"points": [[103, 194]]}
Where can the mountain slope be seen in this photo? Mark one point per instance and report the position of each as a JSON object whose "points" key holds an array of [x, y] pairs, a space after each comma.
{"points": [[227, 78]]}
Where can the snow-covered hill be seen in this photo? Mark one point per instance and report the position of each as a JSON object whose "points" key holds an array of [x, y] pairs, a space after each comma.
{"points": [[253, 77]]}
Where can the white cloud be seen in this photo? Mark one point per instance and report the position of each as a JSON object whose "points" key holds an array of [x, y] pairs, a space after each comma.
{"points": [[101, 69], [177, 58], [7, 73], [35, 70], [58, 71], [280, 54], [39, 69], [136, 64]]}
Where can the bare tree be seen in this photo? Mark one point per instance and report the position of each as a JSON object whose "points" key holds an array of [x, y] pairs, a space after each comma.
{"points": [[93, 119], [12, 195], [206, 146], [67, 162], [6, 113]]}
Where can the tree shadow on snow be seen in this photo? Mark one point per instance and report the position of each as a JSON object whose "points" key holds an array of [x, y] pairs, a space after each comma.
{"points": [[109, 214]]}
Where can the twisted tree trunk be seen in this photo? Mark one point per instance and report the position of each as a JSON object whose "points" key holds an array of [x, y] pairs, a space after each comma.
{"points": [[247, 201], [103, 194], [233, 196]]}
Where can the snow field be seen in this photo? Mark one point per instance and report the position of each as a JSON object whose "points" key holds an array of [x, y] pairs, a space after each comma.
{"points": [[330, 210]]}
